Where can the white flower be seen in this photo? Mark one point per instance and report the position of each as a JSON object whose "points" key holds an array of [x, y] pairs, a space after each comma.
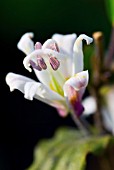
{"points": [[58, 65], [107, 108]]}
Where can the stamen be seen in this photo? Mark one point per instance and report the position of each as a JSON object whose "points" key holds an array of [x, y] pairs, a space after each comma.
{"points": [[38, 45], [33, 64], [54, 47], [54, 63], [41, 63]]}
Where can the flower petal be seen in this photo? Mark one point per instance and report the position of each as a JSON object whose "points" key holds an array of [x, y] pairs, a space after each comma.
{"points": [[74, 89], [62, 110], [109, 98], [78, 53], [51, 44], [65, 43], [107, 119], [79, 80], [15, 81], [90, 106], [37, 90], [72, 98], [25, 44]]}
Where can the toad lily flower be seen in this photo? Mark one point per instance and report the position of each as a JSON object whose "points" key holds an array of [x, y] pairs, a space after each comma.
{"points": [[58, 65]]}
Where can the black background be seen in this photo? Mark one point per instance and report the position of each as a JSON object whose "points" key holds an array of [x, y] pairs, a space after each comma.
{"points": [[23, 123]]}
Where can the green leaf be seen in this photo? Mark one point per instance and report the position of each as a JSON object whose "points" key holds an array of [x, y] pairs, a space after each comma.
{"points": [[68, 150], [109, 4]]}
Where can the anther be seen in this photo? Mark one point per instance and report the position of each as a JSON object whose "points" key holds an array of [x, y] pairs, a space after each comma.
{"points": [[54, 63], [38, 45], [41, 63], [54, 47], [33, 64]]}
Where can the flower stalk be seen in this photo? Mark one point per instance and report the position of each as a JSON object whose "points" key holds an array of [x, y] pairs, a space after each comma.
{"points": [[81, 125], [98, 68]]}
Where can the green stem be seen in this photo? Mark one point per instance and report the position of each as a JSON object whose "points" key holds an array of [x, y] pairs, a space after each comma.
{"points": [[82, 127], [98, 69]]}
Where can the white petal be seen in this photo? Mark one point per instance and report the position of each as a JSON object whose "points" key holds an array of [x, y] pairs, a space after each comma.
{"points": [[78, 83], [62, 109], [34, 89], [78, 64], [65, 42], [79, 80], [15, 81], [107, 119], [25, 44], [48, 43], [89, 104], [44, 94], [74, 89], [110, 106], [43, 76], [46, 77]]}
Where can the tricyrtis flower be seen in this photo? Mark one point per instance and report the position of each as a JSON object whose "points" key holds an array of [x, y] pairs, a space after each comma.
{"points": [[58, 65]]}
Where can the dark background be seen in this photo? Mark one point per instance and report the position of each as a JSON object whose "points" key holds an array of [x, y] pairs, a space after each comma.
{"points": [[22, 122]]}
